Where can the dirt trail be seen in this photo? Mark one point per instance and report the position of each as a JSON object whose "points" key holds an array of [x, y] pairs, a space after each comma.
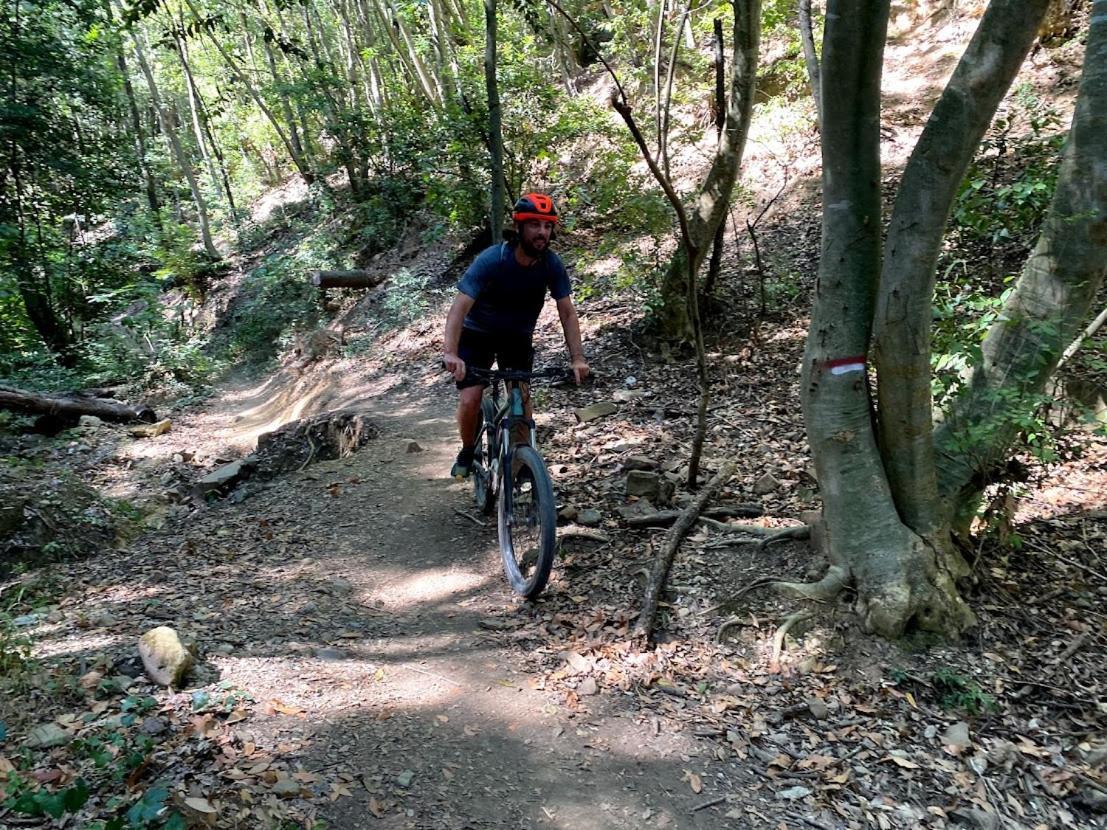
{"points": [[355, 596]]}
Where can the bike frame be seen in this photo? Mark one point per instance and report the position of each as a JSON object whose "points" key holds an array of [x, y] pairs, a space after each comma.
{"points": [[511, 416]]}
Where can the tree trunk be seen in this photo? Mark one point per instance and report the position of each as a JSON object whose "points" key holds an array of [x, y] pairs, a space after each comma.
{"points": [[495, 131], [807, 38], [1052, 298], [297, 159], [898, 578], [714, 196], [179, 155], [914, 239], [73, 405], [720, 121]]}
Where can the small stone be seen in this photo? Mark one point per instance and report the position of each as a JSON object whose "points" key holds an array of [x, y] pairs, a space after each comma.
{"points": [[766, 484], [329, 654], [643, 483], [90, 680], [568, 514], [589, 518], [817, 708], [626, 395], [286, 788], [164, 657], [224, 478], [47, 736], [976, 818], [956, 737], [102, 619], [636, 509], [588, 686], [412, 446], [405, 778], [152, 430], [793, 793], [27, 620], [639, 462], [596, 410], [223, 648], [89, 422], [153, 726], [55, 616]]}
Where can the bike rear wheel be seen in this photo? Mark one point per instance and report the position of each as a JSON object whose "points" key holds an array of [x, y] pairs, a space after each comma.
{"points": [[484, 452], [528, 527]]}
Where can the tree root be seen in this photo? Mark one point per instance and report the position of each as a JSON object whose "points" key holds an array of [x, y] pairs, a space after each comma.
{"points": [[767, 535], [826, 589], [782, 632]]}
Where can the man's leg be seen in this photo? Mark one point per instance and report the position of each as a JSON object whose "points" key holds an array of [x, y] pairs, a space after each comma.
{"points": [[468, 414], [475, 351]]}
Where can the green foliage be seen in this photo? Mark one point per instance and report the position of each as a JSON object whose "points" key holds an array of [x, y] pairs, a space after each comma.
{"points": [[1007, 190], [275, 301], [957, 692], [409, 296]]}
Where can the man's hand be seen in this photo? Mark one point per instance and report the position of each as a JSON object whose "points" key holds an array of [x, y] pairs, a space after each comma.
{"points": [[456, 366], [580, 369]]}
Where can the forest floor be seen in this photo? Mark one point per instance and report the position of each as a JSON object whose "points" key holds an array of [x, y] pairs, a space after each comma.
{"points": [[361, 662], [364, 664]]}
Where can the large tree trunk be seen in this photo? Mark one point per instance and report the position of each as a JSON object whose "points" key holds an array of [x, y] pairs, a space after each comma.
{"points": [[179, 154], [495, 131], [714, 196], [902, 323], [297, 159], [1052, 298], [898, 577]]}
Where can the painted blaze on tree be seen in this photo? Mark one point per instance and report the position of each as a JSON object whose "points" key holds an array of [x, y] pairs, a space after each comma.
{"points": [[894, 486]]}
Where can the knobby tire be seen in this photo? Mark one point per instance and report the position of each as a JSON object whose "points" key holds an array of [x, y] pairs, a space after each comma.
{"points": [[483, 489], [535, 529]]}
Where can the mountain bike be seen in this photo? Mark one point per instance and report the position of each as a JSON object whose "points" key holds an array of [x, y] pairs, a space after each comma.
{"points": [[508, 473]]}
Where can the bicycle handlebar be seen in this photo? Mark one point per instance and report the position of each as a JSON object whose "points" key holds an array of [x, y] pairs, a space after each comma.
{"points": [[553, 372]]}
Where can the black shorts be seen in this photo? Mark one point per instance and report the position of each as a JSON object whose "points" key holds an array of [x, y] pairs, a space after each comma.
{"points": [[511, 351]]}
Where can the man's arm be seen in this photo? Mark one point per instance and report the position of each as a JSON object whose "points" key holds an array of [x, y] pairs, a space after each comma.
{"points": [[454, 320], [571, 326]]}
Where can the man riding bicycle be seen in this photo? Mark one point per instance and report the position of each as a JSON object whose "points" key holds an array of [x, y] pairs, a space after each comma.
{"points": [[496, 308]]}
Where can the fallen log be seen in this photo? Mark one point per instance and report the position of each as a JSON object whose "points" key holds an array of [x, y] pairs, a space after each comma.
{"points": [[346, 279], [74, 406]]}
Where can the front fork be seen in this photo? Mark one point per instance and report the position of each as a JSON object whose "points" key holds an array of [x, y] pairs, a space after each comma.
{"points": [[506, 465]]}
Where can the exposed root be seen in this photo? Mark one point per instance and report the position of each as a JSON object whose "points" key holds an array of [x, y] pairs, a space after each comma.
{"points": [[824, 590], [576, 532], [782, 632], [800, 532], [729, 623]]}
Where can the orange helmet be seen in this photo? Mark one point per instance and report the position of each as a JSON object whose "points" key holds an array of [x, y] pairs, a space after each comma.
{"points": [[534, 206]]}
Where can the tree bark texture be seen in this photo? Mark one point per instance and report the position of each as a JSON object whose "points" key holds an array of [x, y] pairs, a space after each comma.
{"points": [[714, 196], [914, 239], [897, 577], [1052, 298]]}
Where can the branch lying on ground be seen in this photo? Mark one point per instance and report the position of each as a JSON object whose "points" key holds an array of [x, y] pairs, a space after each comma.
{"points": [[664, 560], [664, 518]]}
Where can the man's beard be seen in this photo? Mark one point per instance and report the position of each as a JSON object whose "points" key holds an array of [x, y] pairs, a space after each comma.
{"points": [[530, 250]]}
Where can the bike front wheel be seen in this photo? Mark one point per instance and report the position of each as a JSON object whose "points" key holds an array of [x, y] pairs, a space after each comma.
{"points": [[528, 524]]}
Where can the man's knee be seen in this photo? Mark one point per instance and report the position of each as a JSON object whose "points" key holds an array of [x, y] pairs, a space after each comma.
{"points": [[469, 398]]}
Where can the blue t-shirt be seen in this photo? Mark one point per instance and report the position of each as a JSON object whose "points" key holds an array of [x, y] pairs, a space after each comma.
{"points": [[508, 295]]}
